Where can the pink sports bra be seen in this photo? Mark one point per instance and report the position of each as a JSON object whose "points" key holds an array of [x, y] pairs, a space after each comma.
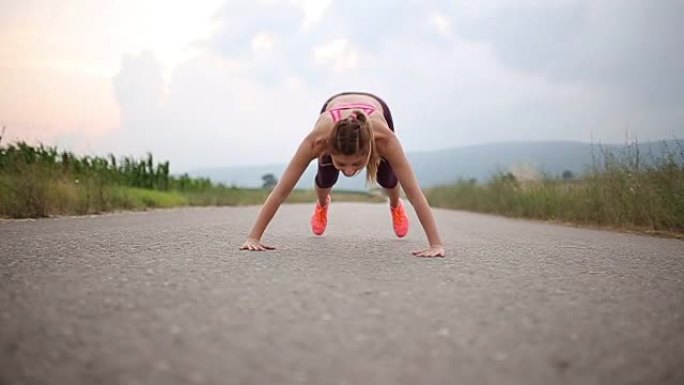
{"points": [[336, 114]]}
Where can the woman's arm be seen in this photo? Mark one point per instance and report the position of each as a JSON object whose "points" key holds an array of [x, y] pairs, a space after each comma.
{"points": [[304, 155], [394, 154]]}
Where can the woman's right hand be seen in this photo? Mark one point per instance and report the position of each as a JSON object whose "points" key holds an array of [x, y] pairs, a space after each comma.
{"points": [[255, 245]]}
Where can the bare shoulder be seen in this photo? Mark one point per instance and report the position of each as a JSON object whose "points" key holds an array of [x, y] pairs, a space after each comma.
{"points": [[318, 137], [385, 138]]}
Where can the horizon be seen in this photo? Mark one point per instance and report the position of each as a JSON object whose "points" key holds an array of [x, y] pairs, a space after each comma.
{"points": [[456, 148], [238, 83], [284, 162]]}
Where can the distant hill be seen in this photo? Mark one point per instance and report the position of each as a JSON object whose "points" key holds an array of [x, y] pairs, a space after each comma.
{"points": [[478, 162]]}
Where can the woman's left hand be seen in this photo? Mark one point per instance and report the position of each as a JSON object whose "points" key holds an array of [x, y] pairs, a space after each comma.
{"points": [[433, 251]]}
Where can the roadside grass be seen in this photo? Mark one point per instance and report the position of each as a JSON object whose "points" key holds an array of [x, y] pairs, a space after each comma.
{"points": [[623, 191], [36, 194], [629, 190]]}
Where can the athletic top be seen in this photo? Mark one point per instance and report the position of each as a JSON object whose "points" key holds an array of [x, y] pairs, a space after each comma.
{"points": [[337, 115]]}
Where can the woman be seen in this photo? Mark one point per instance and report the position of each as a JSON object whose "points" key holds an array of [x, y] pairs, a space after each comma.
{"points": [[354, 131]]}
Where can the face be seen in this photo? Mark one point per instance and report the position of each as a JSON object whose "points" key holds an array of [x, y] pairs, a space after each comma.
{"points": [[350, 165]]}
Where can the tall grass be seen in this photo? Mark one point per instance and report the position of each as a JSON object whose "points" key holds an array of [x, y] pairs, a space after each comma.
{"points": [[628, 190], [39, 181]]}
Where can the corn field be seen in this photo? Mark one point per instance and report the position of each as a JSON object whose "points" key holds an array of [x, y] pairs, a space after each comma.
{"points": [[39, 181], [143, 173]]}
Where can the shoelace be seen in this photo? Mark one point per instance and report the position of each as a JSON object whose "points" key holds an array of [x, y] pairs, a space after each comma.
{"points": [[320, 213], [397, 215]]}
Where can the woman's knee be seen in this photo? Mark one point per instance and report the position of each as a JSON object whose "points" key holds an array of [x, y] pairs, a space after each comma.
{"points": [[386, 177], [326, 179]]}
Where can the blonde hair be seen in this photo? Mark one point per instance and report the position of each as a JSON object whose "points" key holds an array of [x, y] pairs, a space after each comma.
{"points": [[354, 135]]}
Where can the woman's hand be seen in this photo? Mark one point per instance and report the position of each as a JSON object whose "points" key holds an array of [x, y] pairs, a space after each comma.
{"points": [[433, 251], [255, 245]]}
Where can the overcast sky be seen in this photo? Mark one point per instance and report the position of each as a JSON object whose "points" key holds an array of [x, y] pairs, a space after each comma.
{"points": [[224, 83]]}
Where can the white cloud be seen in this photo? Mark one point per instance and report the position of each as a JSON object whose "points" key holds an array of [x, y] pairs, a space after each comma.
{"points": [[467, 96], [453, 73], [215, 109], [339, 55], [263, 42], [313, 11], [167, 29], [441, 23]]}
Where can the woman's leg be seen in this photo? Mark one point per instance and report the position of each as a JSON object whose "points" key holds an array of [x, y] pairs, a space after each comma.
{"points": [[389, 182], [393, 195], [322, 195], [326, 177]]}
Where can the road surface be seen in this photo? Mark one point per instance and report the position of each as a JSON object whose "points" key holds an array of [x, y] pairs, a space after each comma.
{"points": [[166, 297]]}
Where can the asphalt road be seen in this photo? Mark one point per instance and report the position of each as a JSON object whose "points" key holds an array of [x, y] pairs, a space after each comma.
{"points": [[166, 297]]}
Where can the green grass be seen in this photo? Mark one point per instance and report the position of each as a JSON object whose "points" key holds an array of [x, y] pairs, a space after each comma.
{"points": [[35, 193], [133, 198], [623, 192]]}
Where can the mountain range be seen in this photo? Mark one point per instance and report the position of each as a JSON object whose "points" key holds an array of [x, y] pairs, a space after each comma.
{"points": [[478, 162]]}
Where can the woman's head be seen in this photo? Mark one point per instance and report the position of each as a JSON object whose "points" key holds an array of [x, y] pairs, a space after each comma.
{"points": [[352, 146]]}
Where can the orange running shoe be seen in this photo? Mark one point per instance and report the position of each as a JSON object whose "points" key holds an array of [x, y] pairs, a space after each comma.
{"points": [[319, 219], [399, 219]]}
